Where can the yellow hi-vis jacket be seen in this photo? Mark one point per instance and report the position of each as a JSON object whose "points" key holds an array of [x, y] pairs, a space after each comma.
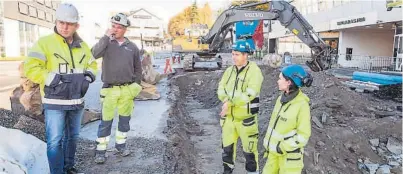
{"points": [[60, 69], [289, 127], [241, 88]]}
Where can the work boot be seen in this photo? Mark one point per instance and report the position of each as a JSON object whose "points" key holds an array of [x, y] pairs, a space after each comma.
{"points": [[100, 157], [123, 152], [73, 171]]}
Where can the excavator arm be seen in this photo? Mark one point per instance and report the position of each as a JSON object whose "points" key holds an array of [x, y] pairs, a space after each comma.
{"points": [[286, 14]]}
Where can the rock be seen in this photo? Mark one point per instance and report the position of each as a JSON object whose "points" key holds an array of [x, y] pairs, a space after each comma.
{"points": [[329, 84], [317, 122], [382, 114], [371, 109], [389, 109], [334, 159], [384, 169], [333, 104], [394, 146], [350, 160], [371, 167], [380, 151], [396, 170], [359, 90], [324, 117], [22, 153], [393, 163], [320, 143], [90, 116], [31, 126], [374, 142], [316, 157], [199, 82], [373, 148], [351, 148], [399, 108]]}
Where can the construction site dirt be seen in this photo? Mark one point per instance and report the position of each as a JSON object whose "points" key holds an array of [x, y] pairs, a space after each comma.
{"points": [[345, 124], [351, 132]]}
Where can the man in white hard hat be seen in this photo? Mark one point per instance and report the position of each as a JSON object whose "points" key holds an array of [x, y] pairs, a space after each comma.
{"points": [[121, 75], [64, 67]]}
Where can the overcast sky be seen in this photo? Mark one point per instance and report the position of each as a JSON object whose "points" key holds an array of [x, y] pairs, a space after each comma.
{"points": [[98, 11]]}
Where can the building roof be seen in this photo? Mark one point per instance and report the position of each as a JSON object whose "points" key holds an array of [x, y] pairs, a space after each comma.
{"points": [[142, 9]]}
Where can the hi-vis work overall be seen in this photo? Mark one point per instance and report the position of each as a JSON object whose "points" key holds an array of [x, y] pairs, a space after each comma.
{"points": [[241, 89], [121, 75], [63, 83], [288, 132]]}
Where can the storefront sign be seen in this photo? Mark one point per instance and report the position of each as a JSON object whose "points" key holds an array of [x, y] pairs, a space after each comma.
{"points": [[354, 21], [351, 21]]}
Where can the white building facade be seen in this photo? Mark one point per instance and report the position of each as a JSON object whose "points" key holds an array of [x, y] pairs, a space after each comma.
{"points": [[360, 31], [22, 23], [146, 30]]}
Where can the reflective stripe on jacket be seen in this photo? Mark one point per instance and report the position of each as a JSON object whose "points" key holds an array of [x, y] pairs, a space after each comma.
{"points": [[241, 88], [60, 69], [290, 125]]}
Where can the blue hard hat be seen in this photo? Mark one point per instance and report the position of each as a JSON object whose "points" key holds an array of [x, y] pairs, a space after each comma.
{"points": [[298, 75], [242, 46]]}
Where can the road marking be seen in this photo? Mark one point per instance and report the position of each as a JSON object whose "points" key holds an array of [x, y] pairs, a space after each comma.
{"points": [[9, 87]]}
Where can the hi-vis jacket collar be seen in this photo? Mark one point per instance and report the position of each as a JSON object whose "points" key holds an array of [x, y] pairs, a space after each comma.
{"points": [[76, 39]]}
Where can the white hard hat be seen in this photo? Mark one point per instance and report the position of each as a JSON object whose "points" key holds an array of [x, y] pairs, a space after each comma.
{"points": [[121, 19], [67, 13]]}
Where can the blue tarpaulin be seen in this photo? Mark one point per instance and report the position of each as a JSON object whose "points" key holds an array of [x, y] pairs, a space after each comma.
{"points": [[381, 79]]}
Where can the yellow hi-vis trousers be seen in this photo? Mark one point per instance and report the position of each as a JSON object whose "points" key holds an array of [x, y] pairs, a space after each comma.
{"points": [[122, 98], [290, 163], [247, 130]]}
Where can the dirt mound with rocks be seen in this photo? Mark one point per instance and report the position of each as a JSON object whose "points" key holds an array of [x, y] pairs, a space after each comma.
{"points": [[343, 123]]}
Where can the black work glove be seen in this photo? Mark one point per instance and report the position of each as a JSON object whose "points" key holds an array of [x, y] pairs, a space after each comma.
{"points": [[89, 76]]}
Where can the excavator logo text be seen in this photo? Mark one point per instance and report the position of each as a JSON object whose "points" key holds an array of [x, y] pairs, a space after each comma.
{"points": [[252, 15]]}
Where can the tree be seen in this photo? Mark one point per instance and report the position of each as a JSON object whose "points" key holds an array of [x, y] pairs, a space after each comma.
{"points": [[205, 14], [243, 2], [190, 15], [194, 13]]}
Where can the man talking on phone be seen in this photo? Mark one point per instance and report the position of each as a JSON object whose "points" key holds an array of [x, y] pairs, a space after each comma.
{"points": [[121, 75]]}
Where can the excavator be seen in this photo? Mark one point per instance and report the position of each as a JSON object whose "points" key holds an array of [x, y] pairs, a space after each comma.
{"points": [[284, 12]]}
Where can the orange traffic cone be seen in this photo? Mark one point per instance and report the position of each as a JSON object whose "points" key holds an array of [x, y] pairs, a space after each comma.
{"points": [[167, 66]]}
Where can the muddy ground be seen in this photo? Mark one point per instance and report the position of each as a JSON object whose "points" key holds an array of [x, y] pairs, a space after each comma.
{"points": [[343, 122]]}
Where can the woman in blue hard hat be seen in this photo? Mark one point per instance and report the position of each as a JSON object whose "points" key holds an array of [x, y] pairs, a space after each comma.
{"points": [[290, 123]]}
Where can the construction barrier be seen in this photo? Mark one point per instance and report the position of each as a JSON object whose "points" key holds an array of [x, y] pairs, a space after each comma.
{"points": [[382, 79]]}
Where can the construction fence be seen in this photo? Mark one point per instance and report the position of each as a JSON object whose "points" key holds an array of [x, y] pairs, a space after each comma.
{"points": [[359, 62]]}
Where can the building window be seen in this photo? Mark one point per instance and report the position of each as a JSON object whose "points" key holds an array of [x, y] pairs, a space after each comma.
{"points": [[32, 12], [23, 8], [48, 4], [41, 14], [28, 35], [48, 17], [54, 5], [2, 47], [22, 38]]}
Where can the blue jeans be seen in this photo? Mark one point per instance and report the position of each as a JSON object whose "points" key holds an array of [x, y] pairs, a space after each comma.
{"points": [[62, 131]]}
